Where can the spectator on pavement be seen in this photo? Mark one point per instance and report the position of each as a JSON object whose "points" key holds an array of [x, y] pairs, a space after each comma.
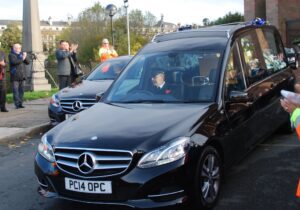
{"points": [[64, 65], [17, 61], [294, 110], [106, 51], [2, 83]]}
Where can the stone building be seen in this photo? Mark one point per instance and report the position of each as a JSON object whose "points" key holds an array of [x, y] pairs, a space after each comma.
{"points": [[50, 30], [284, 14]]}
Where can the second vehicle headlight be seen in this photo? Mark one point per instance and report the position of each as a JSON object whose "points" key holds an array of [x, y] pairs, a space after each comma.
{"points": [[45, 149], [166, 154], [55, 100]]}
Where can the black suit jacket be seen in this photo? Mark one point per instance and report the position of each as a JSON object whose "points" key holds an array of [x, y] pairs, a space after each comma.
{"points": [[165, 90]]}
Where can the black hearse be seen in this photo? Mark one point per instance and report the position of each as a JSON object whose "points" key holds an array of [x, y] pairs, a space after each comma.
{"points": [[147, 145]]}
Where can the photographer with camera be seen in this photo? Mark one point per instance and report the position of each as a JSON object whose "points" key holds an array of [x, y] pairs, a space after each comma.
{"points": [[17, 61]]}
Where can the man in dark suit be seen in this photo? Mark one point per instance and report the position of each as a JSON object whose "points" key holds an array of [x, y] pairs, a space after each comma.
{"points": [[65, 56], [159, 83]]}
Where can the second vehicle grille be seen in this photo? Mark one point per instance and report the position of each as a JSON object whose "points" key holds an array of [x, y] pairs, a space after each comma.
{"points": [[73, 105]]}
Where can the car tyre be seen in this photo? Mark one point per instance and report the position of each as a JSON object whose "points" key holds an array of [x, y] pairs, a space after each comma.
{"points": [[208, 179]]}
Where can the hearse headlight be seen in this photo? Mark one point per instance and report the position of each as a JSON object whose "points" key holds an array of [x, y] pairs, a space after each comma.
{"points": [[166, 154], [54, 100], [45, 149]]}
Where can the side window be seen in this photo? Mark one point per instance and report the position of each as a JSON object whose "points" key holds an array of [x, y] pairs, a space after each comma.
{"points": [[254, 66], [234, 77], [272, 50]]}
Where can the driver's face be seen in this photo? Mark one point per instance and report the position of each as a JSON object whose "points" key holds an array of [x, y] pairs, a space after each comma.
{"points": [[158, 79]]}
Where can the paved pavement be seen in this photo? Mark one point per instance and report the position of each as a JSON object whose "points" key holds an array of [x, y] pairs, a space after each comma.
{"points": [[19, 124]]}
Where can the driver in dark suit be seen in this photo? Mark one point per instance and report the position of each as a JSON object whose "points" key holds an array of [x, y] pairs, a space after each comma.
{"points": [[160, 86]]}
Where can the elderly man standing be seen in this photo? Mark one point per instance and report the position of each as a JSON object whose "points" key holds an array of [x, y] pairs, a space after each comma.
{"points": [[17, 62], [64, 65]]}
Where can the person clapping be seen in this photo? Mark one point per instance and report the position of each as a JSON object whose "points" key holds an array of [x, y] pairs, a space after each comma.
{"points": [[17, 62], [106, 51]]}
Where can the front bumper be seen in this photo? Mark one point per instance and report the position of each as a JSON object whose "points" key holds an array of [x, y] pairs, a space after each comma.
{"points": [[138, 188]]}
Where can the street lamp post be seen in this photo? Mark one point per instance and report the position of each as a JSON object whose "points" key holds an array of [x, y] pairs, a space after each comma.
{"points": [[126, 5], [112, 10]]}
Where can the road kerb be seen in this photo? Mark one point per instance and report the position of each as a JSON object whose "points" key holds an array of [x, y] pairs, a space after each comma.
{"points": [[25, 133]]}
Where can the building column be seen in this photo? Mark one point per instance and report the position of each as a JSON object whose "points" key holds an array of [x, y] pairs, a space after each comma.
{"points": [[32, 43]]}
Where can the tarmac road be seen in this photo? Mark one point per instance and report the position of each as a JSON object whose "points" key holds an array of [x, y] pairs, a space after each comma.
{"points": [[266, 179]]}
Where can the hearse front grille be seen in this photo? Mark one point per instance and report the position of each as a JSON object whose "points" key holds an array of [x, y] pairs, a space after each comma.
{"points": [[104, 162]]}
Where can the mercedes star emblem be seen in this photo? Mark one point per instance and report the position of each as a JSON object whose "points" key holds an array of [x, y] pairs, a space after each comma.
{"points": [[77, 106], [86, 163]]}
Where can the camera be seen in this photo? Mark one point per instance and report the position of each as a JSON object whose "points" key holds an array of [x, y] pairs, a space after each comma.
{"points": [[31, 55]]}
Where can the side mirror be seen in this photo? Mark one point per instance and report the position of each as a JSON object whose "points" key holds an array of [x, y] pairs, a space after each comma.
{"points": [[99, 96], [239, 96], [292, 57]]}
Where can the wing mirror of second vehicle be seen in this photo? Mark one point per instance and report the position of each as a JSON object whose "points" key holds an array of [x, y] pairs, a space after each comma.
{"points": [[83, 77], [99, 96], [239, 97]]}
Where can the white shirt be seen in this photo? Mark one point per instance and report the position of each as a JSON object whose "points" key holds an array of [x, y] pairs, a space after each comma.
{"points": [[162, 85]]}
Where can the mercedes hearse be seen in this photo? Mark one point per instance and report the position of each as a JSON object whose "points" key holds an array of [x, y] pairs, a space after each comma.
{"points": [[146, 148]]}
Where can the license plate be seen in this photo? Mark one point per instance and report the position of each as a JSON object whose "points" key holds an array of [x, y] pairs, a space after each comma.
{"points": [[84, 186], [68, 116]]}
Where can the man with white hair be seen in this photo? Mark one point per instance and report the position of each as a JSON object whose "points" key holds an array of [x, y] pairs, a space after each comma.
{"points": [[17, 61], [106, 52]]}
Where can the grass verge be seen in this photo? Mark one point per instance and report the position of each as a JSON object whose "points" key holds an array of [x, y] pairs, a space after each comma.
{"points": [[32, 95]]}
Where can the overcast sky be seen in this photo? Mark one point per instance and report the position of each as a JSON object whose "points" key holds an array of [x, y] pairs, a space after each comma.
{"points": [[174, 11]]}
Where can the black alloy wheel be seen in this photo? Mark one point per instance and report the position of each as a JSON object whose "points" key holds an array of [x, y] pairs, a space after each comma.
{"points": [[208, 178]]}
